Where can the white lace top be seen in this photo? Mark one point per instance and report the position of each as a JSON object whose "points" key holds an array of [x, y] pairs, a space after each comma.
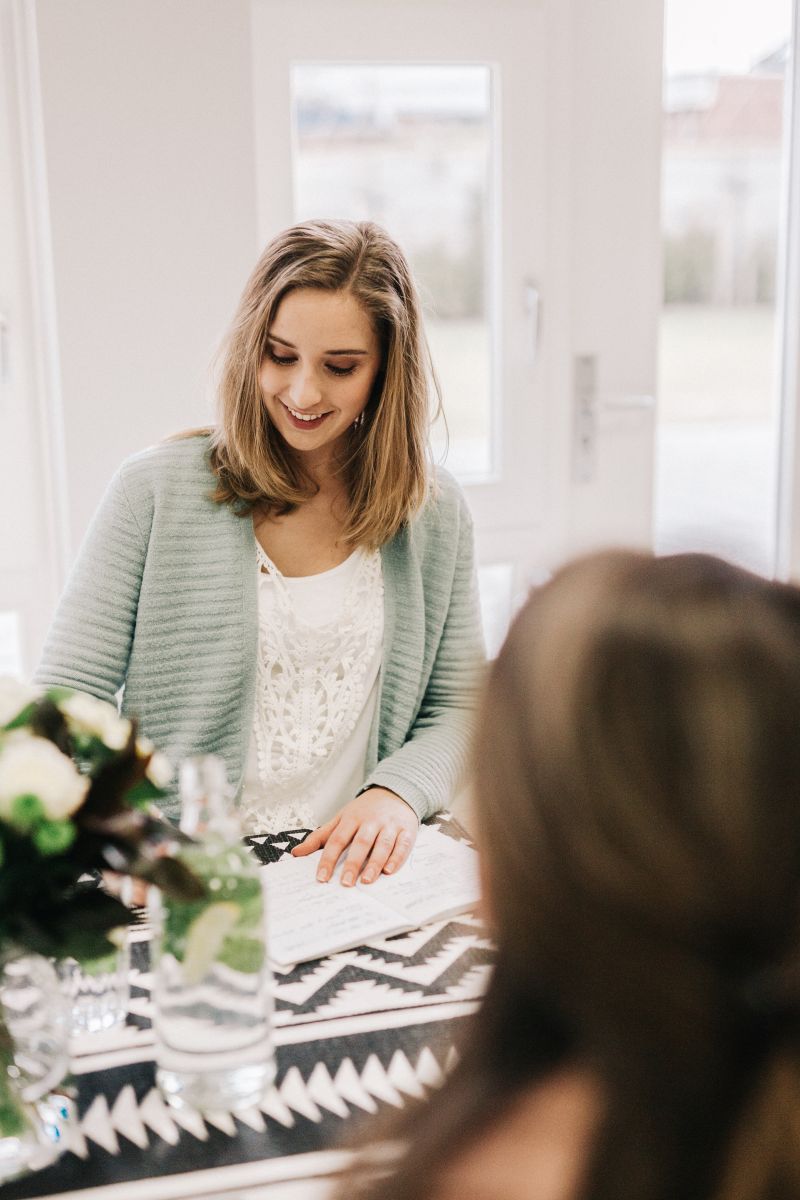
{"points": [[319, 654]]}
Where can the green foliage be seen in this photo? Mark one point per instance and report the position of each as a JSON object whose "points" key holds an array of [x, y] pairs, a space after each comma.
{"points": [[54, 837], [26, 812], [44, 905]]}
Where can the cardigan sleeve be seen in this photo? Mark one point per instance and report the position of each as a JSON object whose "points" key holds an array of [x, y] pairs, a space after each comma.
{"points": [[89, 641], [426, 769]]}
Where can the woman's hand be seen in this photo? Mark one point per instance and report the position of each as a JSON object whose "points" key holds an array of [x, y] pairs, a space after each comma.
{"points": [[380, 829]]}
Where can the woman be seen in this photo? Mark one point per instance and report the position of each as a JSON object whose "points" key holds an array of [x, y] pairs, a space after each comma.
{"points": [[638, 806], [295, 590]]}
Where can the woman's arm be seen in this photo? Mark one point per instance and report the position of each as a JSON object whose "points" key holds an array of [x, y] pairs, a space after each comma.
{"points": [[426, 769], [380, 824], [89, 641]]}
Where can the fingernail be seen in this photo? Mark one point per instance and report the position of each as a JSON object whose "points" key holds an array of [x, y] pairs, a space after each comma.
{"points": [[347, 878], [323, 875], [368, 877], [389, 868]]}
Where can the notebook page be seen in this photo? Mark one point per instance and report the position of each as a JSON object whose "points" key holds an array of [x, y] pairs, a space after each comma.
{"points": [[307, 919], [440, 880]]}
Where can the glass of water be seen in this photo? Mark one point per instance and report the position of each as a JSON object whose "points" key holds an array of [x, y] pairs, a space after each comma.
{"points": [[97, 990]]}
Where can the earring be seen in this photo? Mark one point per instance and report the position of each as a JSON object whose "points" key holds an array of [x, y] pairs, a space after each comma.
{"points": [[359, 421]]}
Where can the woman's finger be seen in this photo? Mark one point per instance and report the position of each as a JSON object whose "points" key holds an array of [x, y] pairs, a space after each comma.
{"points": [[338, 841], [384, 844], [316, 838], [363, 842], [401, 851]]}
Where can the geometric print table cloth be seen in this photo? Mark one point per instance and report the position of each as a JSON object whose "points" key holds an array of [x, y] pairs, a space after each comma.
{"points": [[356, 1034]]}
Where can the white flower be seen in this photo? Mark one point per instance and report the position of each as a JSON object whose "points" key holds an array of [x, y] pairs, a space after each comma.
{"points": [[98, 719], [14, 696], [159, 770], [34, 766]]}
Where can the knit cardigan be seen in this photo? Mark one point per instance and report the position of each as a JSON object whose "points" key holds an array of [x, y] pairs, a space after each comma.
{"points": [[162, 603]]}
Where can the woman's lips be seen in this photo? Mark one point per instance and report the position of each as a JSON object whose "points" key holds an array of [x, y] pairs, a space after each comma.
{"points": [[299, 423]]}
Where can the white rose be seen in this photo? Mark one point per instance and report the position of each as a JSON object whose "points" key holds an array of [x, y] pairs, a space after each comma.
{"points": [[159, 770], [98, 719], [34, 766], [14, 696]]}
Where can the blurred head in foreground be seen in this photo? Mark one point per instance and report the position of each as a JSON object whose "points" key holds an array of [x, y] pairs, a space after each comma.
{"points": [[638, 810]]}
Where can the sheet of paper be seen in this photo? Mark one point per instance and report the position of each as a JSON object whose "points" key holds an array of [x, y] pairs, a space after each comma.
{"points": [[440, 880], [306, 919]]}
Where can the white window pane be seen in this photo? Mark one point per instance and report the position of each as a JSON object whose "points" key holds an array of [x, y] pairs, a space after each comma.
{"points": [[717, 472], [410, 147]]}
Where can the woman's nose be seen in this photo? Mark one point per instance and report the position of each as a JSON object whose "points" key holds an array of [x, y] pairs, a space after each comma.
{"points": [[304, 390]]}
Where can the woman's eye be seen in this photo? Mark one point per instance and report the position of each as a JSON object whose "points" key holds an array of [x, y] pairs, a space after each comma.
{"points": [[277, 358], [340, 370]]}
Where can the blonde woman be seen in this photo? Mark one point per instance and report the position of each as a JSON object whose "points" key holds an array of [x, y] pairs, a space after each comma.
{"points": [[294, 589]]}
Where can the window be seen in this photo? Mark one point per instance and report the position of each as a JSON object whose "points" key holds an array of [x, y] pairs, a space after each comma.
{"points": [[722, 180], [369, 141]]}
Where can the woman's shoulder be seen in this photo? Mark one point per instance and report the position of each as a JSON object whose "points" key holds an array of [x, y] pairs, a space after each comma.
{"points": [[446, 500], [444, 518], [172, 465]]}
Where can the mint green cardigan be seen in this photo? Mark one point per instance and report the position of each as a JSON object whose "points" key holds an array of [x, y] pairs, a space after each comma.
{"points": [[162, 602]]}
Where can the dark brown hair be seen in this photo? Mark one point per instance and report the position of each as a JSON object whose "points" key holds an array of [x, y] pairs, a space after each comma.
{"points": [[638, 804], [386, 468]]}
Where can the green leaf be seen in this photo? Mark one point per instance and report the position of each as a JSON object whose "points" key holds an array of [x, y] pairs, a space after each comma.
{"points": [[48, 721], [26, 812], [172, 876], [91, 948], [143, 791], [54, 837], [57, 695], [22, 718]]}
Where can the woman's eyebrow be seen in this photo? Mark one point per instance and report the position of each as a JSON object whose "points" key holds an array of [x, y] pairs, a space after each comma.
{"points": [[274, 338]]}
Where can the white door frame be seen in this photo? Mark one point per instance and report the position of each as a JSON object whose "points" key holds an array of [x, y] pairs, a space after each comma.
{"points": [[788, 533], [30, 349]]}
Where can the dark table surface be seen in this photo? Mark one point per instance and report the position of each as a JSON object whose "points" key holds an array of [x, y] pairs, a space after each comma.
{"points": [[359, 1033]]}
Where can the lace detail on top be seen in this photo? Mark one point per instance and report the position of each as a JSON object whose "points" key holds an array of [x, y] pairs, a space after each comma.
{"points": [[312, 682]]}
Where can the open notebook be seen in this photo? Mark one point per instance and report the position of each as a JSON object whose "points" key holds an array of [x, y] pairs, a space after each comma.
{"points": [[309, 920]]}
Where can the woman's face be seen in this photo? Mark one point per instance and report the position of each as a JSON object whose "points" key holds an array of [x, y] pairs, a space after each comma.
{"points": [[317, 374]]}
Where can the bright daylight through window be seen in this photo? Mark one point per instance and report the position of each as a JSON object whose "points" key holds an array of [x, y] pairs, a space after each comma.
{"points": [[369, 141], [722, 182]]}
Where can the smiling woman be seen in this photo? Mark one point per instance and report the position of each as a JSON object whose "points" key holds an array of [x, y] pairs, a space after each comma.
{"points": [[310, 389], [294, 589]]}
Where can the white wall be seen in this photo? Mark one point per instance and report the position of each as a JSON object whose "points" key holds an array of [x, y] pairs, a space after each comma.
{"points": [[148, 131]]}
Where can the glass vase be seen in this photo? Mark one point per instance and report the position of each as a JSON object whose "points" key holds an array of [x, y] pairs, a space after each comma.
{"points": [[96, 990], [33, 1060]]}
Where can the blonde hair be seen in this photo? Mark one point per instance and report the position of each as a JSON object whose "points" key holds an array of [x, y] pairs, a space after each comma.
{"points": [[386, 466]]}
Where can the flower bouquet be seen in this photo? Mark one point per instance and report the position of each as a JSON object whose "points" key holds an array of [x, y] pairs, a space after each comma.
{"points": [[77, 797]]}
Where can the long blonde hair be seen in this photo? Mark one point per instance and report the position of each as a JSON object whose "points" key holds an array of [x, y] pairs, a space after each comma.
{"points": [[386, 467]]}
